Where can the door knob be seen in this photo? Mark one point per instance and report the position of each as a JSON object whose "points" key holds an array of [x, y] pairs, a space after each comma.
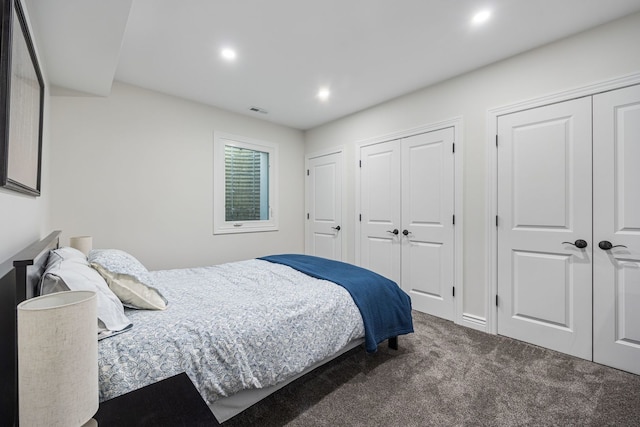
{"points": [[395, 231], [406, 232], [337, 228], [581, 244], [605, 245]]}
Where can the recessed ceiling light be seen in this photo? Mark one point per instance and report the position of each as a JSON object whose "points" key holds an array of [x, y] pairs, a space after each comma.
{"points": [[228, 54], [323, 94], [481, 17]]}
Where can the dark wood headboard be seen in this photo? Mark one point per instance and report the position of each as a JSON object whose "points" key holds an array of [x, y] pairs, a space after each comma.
{"points": [[19, 278]]}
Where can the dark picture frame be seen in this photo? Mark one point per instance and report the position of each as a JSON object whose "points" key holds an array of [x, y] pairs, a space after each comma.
{"points": [[22, 101]]}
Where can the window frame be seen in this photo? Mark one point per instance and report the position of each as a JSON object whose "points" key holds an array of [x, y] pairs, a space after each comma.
{"points": [[220, 224]]}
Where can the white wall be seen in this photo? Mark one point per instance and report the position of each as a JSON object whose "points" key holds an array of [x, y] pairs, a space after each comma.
{"points": [[135, 171], [25, 219], [605, 52]]}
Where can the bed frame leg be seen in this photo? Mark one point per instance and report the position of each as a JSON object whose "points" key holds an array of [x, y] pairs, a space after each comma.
{"points": [[393, 343]]}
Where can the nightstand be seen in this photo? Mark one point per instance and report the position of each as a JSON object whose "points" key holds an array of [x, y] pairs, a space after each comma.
{"points": [[171, 402]]}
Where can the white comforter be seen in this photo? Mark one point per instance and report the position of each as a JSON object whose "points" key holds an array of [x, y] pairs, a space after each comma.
{"points": [[235, 326]]}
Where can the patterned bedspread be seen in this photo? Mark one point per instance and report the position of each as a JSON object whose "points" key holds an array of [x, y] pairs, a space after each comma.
{"points": [[243, 325]]}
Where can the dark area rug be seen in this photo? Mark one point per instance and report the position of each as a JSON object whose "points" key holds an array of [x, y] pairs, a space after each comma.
{"points": [[449, 375]]}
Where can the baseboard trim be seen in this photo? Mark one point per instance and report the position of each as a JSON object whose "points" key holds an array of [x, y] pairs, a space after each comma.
{"points": [[474, 322]]}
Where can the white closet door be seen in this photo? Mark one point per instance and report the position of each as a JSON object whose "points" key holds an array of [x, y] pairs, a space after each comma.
{"points": [[544, 199], [380, 209], [324, 192], [427, 222], [616, 149]]}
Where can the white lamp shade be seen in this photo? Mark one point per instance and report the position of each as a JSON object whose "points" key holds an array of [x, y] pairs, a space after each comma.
{"points": [[58, 359], [82, 243]]}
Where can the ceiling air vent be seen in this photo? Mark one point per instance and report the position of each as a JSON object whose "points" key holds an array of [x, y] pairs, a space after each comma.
{"points": [[258, 110]]}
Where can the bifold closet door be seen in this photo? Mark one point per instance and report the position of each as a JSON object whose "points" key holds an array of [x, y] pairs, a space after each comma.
{"points": [[544, 227], [407, 206], [324, 192], [427, 233], [616, 287], [380, 209]]}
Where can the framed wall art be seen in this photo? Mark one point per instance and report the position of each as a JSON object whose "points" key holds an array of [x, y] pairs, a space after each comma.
{"points": [[22, 99]]}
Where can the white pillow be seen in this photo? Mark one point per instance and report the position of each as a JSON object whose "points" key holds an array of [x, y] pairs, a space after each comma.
{"points": [[56, 256], [68, 252], [127, 278], [74, 275]]}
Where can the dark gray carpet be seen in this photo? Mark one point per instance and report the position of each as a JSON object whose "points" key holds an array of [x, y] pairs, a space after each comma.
{"points": [[449, 375]]}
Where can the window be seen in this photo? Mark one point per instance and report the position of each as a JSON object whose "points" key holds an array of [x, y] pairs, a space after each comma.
{"points": [[244, 185], [246, 174]]}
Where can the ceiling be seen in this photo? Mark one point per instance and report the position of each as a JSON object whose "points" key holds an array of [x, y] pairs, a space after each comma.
{"points": [[364, 51]]}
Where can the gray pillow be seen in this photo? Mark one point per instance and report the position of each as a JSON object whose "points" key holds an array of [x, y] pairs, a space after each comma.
{"points": [[127, 278], [77, 275]]}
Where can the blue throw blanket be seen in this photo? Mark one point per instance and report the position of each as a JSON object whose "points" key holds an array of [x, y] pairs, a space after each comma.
{"points": [[385, 308]]}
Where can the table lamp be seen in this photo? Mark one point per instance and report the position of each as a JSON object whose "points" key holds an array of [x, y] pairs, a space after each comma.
{"points": [[82, 243], [58, 359]]}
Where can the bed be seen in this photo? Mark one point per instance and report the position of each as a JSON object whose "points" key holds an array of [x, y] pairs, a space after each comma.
{"points": [[299, 320]]}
